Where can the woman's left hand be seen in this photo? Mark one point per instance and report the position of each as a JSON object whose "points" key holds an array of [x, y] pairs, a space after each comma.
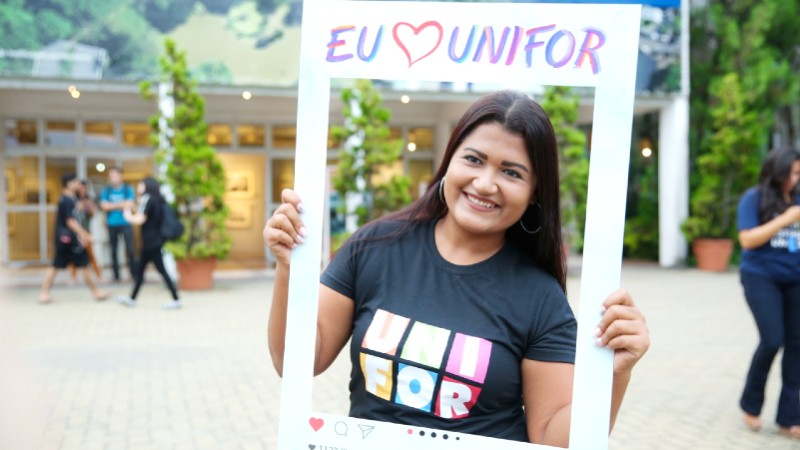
{"points": [[623, 329]]}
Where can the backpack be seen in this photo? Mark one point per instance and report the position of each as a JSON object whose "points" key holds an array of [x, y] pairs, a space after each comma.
{"points": [[171, 226]]}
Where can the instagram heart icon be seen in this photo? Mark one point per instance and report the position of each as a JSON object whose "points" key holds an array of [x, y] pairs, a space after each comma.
{"points": [[316, 423]]}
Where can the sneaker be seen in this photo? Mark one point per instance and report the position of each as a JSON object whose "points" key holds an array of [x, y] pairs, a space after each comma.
{"points": [[126, 301], [174, 304]]}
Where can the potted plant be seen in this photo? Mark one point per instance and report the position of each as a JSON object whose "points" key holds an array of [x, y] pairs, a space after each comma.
{"points": [[573, 163], [727, 168], [193, 171], [367, 150]]}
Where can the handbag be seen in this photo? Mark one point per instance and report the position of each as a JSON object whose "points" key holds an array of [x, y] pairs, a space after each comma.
{"points": [[67, 238], [64, 235]]}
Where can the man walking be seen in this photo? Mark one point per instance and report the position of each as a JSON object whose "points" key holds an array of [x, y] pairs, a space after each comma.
{"points": [[115, 198], [71, 240]]}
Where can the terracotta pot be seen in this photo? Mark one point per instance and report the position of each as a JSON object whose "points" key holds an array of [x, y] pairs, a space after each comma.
{"points": [[713, 254], [196, 274]]}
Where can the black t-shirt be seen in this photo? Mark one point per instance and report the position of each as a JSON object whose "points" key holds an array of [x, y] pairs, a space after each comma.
{"points": [[151, 228], [440, 345], [66, 209]]}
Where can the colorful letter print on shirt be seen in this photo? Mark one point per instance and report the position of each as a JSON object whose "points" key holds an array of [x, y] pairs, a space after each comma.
{"points": [[422, 366]]}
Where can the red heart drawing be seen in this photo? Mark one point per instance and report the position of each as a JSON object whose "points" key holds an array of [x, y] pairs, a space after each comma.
{"points": [[316, 423], [417, 31]]}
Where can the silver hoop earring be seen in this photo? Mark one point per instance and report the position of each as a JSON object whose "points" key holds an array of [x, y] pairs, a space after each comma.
{"points": [[441, 191], [522, 224]]}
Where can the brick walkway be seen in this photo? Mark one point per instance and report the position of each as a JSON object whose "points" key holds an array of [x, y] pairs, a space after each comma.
{"points": [[100, 376]]}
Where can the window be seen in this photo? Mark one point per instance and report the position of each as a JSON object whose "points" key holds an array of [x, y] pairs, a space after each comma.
{"points": [[420, 139], [250, 135], [220, 135], [284, 136], [136, 134], [20, 132], [420, 173], [99, 134], [60, 133], [22, 180]]}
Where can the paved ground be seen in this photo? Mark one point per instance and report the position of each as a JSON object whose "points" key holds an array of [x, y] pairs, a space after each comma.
{"points": [[87, 375]]}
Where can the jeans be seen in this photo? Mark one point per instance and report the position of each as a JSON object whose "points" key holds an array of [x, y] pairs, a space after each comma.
{"points": [[113, 238], [152, 255], [776, 310]]}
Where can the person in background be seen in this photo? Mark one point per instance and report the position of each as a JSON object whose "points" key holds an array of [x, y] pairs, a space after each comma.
{"points": [[769, 231], [149, 215], [71, 240], [85, 209], [115, 198], [482, 340]]}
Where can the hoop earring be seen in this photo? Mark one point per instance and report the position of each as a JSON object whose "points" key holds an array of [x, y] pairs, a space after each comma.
{"points": [[522, 224], [441, 191]]}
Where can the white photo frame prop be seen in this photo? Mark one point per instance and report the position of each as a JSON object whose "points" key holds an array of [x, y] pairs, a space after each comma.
{"points": [[522, 44]]}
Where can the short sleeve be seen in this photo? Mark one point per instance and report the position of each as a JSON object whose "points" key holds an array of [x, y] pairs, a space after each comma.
{"points": [[340, 275], [553, 338], [747, 212], [104, 195], [66, 208]]}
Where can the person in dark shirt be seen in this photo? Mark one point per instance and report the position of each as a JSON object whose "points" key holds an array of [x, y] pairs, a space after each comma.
{"points": [[70, 242], [769, 231], [149, 215], [456, 306], [85, 209]]}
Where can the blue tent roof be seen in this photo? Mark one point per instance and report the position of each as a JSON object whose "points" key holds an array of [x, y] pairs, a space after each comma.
{"points": [[659, 3]]}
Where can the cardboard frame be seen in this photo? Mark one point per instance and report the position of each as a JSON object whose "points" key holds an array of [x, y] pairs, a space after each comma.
{"points": [[522, 45]]}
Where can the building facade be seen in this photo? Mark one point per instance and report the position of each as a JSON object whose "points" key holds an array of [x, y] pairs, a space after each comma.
{"points": [[70, 107]]}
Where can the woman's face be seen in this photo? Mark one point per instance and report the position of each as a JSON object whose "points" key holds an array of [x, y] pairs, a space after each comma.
{"points": [[490, 181], [794, 177]]}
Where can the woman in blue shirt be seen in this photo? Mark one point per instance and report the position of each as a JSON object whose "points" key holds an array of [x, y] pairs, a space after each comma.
{"points": [[769, 230]]}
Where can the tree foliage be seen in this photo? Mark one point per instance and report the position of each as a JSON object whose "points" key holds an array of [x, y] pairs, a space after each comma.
{"points": [[731, 163], [193, 169], [367, 147], [562, 107], [744, 62]]}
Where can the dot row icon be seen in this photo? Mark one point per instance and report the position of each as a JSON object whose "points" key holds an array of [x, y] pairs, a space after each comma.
{"points": [[433, 434]]}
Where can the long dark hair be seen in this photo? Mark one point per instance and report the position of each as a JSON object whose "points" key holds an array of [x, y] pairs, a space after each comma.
{"points": [[520, 115], [775, 171], [153, 189]]}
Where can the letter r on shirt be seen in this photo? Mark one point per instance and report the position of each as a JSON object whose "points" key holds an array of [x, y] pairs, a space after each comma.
{"points": [[456, 399]]}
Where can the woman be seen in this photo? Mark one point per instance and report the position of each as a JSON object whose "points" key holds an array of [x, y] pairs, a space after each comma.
{"points": [[84, 211], [149, 216], [768, 219], [484, 329]]}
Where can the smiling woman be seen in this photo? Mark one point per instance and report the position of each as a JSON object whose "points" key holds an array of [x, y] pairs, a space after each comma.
{"points": [[483, 340]]}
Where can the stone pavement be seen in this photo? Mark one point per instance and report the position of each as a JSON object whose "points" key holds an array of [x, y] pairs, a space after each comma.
{"points": [[94, 375]]}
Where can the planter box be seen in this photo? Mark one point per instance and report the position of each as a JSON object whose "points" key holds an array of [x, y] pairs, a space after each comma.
{"points": [[196, 274], [713, 254]]}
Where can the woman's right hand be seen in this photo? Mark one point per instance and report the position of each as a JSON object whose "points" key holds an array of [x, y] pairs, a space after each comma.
{"points": [[792, 214], [285, 230]]}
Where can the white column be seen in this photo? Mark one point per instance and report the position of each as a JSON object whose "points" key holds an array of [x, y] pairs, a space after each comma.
{"points": [[673, 180], [166, 106]]}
